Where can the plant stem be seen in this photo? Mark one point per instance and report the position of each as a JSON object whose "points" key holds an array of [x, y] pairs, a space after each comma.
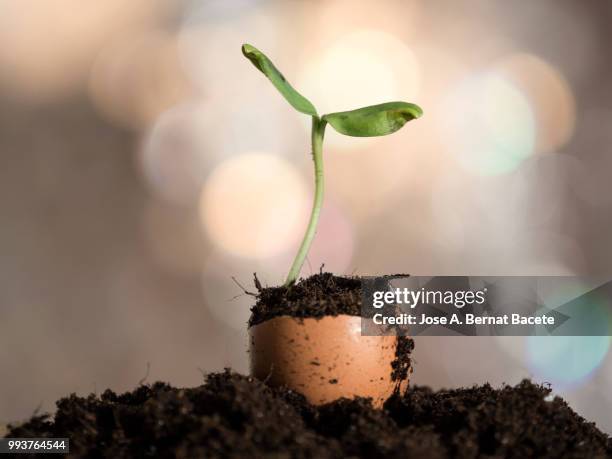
{"points": [[317, 133]]}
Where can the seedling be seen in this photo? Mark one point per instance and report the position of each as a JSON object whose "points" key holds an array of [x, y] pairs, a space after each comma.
{"points": [[371, 121]]}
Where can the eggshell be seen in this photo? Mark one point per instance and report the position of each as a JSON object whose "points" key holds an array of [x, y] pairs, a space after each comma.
{"points": [[324, 358]]}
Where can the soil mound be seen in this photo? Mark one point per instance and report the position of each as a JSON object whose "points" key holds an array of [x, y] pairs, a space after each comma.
{"points": [[236, 416]]}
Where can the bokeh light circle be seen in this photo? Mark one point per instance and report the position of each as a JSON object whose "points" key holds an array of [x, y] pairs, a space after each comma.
{"points": [[176, 153], [255, 205], [549, 94], [135, 79], [47, 47], [491, 127], [363, 67], [566, 361]]}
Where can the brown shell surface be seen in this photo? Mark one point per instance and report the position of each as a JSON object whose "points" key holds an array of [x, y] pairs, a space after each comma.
{"points": [[324, 359]]}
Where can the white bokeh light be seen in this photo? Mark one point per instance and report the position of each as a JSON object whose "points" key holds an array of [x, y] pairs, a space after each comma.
{"points": [[549, 94], [255, 205], [364, 67], [491, 128]]}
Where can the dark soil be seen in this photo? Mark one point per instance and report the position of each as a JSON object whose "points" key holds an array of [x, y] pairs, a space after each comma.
{"points": [[236, 416], [319, 295], [402, 365], [316, 296]]}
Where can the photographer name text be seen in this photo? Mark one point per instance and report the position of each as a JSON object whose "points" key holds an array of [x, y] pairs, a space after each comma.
{"points": [[467, 319]]}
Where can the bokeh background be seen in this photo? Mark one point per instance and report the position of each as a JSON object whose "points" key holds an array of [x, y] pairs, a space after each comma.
{"points": [[144, 162]]}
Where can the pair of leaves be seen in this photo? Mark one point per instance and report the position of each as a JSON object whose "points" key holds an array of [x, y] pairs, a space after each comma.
{"points": [[375, 120]]}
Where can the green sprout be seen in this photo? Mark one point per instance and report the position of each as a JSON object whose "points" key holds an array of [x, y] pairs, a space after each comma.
{"points": [[375, 120]]}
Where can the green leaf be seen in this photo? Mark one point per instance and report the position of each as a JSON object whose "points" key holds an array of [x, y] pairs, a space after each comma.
{"points": [[375, 120], [265, 66]]}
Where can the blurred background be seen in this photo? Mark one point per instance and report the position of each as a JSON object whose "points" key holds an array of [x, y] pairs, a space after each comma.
{"points": [[144, 162]]}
